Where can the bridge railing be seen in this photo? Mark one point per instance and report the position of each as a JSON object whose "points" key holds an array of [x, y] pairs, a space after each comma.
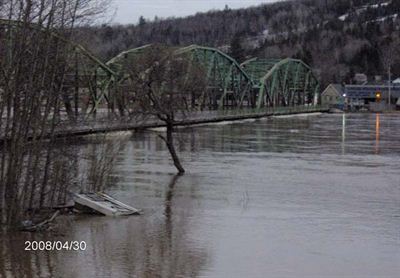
{"points": [[274, 110], [103, 123], [104, 120]]}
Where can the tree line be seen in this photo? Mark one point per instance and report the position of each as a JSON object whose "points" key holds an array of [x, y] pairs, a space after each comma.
{"points": [[335, 36]]}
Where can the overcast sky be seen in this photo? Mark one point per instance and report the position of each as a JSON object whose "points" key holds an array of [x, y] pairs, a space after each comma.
{"points": [[129, 11]]}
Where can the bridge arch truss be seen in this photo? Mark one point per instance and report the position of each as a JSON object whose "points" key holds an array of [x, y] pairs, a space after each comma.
{"points": [[81, 85], [287, 82], [228, 85], [255, 83]]}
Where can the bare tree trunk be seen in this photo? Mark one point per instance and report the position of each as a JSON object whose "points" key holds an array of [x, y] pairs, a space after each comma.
{"points": [[169, 141]]}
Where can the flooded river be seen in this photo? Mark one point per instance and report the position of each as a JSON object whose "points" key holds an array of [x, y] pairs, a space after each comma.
{"points": [[301, 196]]}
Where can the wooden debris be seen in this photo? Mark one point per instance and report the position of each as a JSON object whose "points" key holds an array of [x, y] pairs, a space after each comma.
{"points": [[104, 204], [42, 225]]}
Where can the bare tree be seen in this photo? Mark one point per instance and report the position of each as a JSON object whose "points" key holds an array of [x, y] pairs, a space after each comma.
{"points": [[164, 84], [35, 59]]}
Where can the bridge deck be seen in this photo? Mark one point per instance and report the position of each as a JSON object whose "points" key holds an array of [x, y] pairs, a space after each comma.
{"points": [[93, 126]]}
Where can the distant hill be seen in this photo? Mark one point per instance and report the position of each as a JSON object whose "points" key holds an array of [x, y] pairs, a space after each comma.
{"points": [[337, 37]]}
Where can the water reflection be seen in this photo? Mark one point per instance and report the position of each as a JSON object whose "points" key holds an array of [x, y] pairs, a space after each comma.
{"points": [[280, 197], [377, 132], [168, 207], [341, 133], [15, 262], [156, 244], [344, 133]]}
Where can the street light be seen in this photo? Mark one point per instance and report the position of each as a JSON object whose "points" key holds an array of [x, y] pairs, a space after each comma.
{"points": [[378, 96]]}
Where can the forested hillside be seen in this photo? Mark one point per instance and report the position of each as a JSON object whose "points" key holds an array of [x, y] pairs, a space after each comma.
{"points": [[337, 37]]}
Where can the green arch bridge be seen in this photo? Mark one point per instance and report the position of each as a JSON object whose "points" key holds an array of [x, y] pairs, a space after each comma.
{"points": [[256, 83], [92, 85]]}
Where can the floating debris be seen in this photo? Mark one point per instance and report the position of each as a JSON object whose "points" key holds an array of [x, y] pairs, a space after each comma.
{"points": [[29, 226], [103, 204]]}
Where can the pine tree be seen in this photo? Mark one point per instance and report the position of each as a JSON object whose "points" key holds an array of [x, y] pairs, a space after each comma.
{"points": [[142, 21], [236, 50]]}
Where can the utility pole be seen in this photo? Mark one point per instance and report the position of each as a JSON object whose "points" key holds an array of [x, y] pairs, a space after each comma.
{"points": [[390, 84]]}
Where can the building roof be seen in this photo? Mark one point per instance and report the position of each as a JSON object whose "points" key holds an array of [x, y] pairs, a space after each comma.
{"points": [[360, 78], [337, 87]]}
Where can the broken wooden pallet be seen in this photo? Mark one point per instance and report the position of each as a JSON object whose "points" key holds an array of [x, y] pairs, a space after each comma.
{"points": [[104, 204]]}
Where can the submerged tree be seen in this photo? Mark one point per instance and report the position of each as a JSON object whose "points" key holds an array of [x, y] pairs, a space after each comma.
{"points": [[164, 84]]}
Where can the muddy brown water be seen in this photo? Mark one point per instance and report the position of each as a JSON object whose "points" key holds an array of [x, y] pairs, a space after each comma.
{"points": [[303, 196]]}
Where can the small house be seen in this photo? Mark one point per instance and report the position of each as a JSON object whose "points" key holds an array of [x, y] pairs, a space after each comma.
{"points": [[333, 95]]}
